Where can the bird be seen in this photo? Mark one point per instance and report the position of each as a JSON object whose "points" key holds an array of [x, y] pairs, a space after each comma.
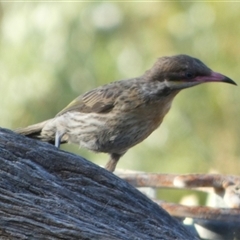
{"points": [[117, 116]]}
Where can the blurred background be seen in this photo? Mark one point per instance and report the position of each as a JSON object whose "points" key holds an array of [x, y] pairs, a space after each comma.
{"points": [[53, 52]]}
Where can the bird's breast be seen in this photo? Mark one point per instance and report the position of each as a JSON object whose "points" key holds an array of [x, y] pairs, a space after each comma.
{"points": [[153, 113]]}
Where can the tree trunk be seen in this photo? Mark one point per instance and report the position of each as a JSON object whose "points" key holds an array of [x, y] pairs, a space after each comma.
{"points": [[46, 193]]}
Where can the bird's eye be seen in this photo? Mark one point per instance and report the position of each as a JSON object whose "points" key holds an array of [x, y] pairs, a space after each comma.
{"points": [[189, 75]]}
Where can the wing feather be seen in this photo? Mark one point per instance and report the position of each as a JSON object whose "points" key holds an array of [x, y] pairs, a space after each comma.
{"points": [[99, 100]]}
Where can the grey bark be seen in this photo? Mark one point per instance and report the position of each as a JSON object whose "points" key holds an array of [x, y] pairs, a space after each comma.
{"points": [[46, 193]]}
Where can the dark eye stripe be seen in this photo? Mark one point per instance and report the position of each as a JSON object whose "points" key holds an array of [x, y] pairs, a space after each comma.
{"points": [[189, 75]]}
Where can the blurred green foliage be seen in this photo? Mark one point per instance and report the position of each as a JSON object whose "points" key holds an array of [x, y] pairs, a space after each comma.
{"points": [[53, 52]]}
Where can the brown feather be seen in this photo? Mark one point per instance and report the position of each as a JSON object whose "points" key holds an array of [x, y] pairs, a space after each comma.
{"points": [[103, 99], [99, 100]]}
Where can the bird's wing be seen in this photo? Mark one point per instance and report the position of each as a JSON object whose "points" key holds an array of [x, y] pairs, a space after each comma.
{"points": [[99, 100]]}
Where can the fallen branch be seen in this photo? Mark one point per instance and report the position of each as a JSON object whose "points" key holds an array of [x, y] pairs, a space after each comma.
{"points": [[46, 193]]}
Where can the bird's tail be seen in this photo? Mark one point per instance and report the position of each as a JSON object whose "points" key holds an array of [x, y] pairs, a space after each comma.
{"points": [[34, 131]]}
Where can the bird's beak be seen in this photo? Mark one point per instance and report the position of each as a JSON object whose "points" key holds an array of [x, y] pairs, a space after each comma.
{"points": [[213, 77]]}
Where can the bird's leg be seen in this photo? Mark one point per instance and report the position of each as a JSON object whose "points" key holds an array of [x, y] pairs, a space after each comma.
{"points": [[58, 137], [112, 162]]}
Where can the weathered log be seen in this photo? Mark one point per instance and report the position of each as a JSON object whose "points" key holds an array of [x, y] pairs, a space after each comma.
{"points": [[46, 193]]}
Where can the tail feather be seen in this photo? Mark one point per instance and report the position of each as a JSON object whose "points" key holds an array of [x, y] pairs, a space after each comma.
{"points": [[34, 131]]}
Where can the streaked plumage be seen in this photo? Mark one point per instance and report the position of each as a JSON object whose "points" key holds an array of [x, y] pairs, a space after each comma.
{"points": [[114, 117]]}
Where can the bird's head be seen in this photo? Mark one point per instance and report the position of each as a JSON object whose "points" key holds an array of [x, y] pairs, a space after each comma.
{"points": [[182, 71]]}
